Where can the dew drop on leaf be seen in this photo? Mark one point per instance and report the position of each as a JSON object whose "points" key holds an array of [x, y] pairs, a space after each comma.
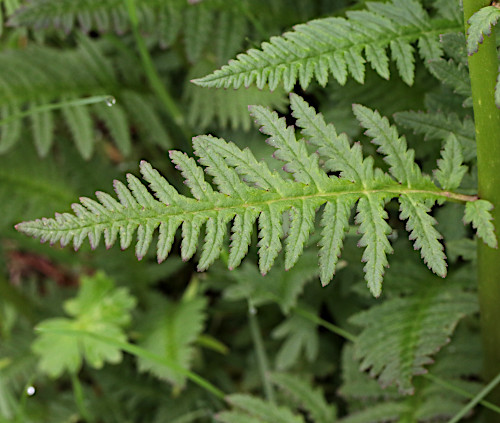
{"points": [[110, 101]]}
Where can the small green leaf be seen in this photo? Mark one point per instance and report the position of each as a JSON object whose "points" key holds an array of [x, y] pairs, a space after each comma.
{"points": [[170, 330], [98, 308], [450, 169], [481, 24], [478, 213], [300, 335]]}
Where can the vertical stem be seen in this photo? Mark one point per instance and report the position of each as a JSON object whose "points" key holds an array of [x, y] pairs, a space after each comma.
{"points": [[154, 79], [79, 399], [260, 352], [483, 67]]}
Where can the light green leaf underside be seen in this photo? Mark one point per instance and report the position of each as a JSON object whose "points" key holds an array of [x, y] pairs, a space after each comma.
{"points": [[340, 47], [450, 169], [250, 194], [478, 213]]}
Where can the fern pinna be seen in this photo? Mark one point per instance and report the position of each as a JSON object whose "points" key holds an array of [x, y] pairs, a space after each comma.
{"points": [[336, 45], [249, 192]]}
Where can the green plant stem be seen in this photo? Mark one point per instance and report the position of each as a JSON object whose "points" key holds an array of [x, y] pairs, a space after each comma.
{"points": [[246, 10], [485, 391], [142, 353], [21, 411], [80, 399], [154, 79], [462, 392], [327, 325], [261, 353], [52, 106], [483, 68]]}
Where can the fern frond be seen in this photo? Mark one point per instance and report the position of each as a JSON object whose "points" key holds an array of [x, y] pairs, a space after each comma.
{"points": [[32, 80], [102, 15], [231, 30], [335, 46], [198, 26], [198, 22], [248, 191], [397, 349]]}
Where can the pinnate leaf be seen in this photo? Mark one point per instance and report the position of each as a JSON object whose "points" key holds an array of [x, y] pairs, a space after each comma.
{"points": [[245, 194]]}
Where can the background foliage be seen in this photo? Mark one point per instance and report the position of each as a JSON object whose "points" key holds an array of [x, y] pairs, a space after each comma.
{"points": [[122, 340]]}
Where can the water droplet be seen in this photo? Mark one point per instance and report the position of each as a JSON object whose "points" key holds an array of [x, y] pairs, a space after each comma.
{"points": [[30, 390], [110, 101], [252, 310]]}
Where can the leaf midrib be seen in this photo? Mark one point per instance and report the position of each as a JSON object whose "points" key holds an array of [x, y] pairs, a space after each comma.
{"points": [[413, 36], [320, 197]]}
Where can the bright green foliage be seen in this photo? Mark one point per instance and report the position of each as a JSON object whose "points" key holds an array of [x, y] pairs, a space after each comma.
{"points": [[299, 225], [395, 349], [98, 308], [481, 24], [170, 331], [450, 168], [311, 400], [478, 213], [336, 45], [250, 192], [249, 409]]}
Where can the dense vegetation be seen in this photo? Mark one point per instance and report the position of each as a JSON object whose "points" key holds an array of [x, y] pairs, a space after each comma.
{"points": [[322, 270]]}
